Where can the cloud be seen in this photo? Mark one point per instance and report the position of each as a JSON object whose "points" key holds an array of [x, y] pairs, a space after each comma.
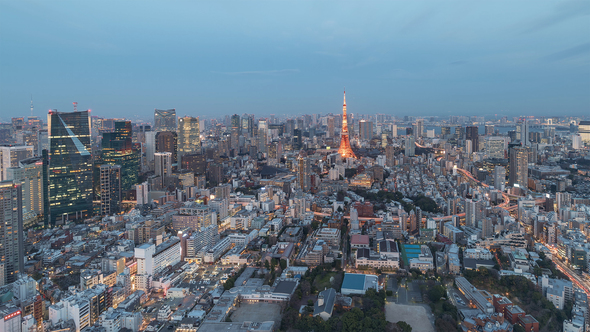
{"points": [[570, 52], [259, 72], [563, 12]]}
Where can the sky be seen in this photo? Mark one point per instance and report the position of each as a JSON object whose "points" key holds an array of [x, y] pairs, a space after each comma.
{"points": [[215, 58]]}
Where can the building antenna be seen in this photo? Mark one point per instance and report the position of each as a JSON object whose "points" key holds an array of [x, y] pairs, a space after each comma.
{"points": [[75, 106], [31, 105]]}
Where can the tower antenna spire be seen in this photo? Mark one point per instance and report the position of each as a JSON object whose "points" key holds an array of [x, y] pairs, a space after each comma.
{"points": [[31, 105], [75, 106]]}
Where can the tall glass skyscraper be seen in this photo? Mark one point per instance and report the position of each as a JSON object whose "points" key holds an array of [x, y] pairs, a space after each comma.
{"points": [[11, 227], [165, 120], [70, 166], [118, 149], [189, 136]]}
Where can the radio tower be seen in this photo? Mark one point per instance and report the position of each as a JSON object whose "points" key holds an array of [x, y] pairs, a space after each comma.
{"points": [[345, 150], [31, 105], [75, 106]]}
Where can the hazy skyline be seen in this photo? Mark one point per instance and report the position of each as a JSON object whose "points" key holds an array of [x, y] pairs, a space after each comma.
{"points": [[211, 59]]}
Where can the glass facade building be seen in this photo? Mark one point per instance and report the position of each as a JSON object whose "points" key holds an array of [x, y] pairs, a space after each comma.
{"points": [[70, 166], [118, 149]]}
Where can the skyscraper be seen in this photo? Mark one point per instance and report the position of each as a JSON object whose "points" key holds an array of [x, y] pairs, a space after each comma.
{"points": [[235, 121], [519, 163], [471, 133], [110, 189], [29, 175], [70, 166], [189, 136], [410, 146], [345, 149], [167, 141], [584, 130], [10, 155], [473, 212], [163, 165], [11, 227], [118, 149], [499, 177], [304, 173], [366, 130], [165, 120]]}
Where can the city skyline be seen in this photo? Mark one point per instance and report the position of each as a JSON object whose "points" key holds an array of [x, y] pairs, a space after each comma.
{"points": [[395, 58]]}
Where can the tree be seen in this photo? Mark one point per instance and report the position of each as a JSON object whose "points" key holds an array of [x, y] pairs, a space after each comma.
{"points": [[310, 303], [283, 264], [266, 264], [404, 326]]}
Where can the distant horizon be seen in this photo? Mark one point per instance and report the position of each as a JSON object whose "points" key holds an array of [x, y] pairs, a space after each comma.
{"points": [[205, 58]]}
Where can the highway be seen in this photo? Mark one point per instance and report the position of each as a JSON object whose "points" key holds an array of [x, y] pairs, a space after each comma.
{"points": [[579, 281]]}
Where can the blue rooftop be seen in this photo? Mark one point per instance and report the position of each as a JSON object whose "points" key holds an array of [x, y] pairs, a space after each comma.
{"points": [[354, 281]]}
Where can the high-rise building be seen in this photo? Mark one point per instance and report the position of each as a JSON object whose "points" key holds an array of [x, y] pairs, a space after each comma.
{"points": [[418, 128], [584, 131], [12, 259], [167, 141], [473, 212], [494, 147], [394, 130], [262, 135], [519, 164], [445, 132], [487, 228], [330, 132], [163, 164], [235, 121], [304, 173], [29, 175], [522, 132], [189, 136], [165, 120], [499, 177], [141, 192], [118, 149], [489, 130], [70, 166], [365, 130], [110, 189], [345, 149], [10, 155], [471, 133], [409, 146]]}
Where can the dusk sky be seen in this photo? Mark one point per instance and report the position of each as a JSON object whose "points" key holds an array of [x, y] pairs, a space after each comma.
{"points": [[125, 58]]}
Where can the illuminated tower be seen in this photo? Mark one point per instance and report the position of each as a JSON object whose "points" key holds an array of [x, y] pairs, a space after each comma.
{"points": [[345, 150]]}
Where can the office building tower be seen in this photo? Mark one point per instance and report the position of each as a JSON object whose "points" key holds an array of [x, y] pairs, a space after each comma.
{"points": [[235, 121], [163, 165], [29, 174], [10, 155], [445, 132], [499, 177], [487, 228], [365, 130], [141, 192], [304, 174], [330, 132], [489, 130], [459, 133], [410, 146], [118, 149], [262, 135], [468, 146], [473, 212], [167, 141], [110, 189], [584, 131], [189, 136], [11, 227], [70, 166], [577, 142], [394, 130], [418, 128], [165, 120], [494, 147], [563, 200], [522, 132], [519, 163], [247, 125], [472, 134], [297, 139], [345, 149]]}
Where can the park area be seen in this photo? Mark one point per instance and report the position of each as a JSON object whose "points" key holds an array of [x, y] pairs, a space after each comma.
{"points": [[414, 315]]}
